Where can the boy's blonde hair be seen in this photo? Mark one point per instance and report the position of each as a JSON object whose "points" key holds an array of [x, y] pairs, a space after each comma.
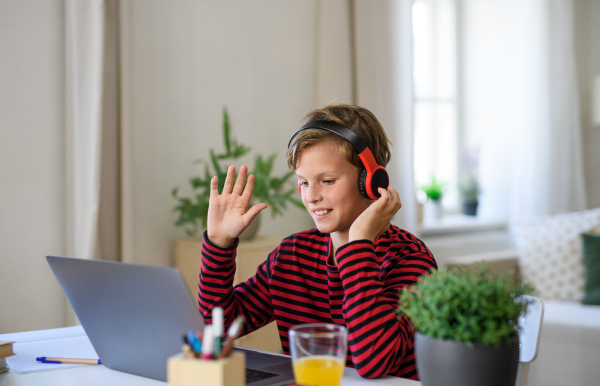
{"points": [[358, 119]]}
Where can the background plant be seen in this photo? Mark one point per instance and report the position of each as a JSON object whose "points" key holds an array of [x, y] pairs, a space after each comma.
{"points": [[434, 189], [275, 191], [468, 186], [468, 182], [464, 305]]}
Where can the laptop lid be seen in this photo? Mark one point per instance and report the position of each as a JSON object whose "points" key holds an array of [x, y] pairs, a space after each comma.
{"points": [[135, 315]]}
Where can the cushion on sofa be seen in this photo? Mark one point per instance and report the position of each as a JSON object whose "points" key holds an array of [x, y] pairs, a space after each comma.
{"points": [[550, 252], [591, 257]]}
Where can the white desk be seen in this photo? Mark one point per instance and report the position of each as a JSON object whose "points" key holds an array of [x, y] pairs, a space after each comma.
{"points": [[94, 375], [101, 376]]}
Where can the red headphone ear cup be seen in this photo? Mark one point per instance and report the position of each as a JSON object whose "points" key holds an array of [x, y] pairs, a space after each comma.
{"points": [[300, 186], [378, 179]]}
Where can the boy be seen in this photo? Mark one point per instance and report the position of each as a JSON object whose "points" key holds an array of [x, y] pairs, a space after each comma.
{"points": [[347, 271]]}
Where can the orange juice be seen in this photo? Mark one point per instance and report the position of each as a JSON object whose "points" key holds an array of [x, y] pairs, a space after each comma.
{"points": [[319, 370]]}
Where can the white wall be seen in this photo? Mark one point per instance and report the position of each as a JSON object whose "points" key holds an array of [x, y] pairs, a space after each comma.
{"points": [[31, 163], [184, 64]]}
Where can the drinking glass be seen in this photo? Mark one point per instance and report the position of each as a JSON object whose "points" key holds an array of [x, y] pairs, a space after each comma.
{"points": [[318, 353]]}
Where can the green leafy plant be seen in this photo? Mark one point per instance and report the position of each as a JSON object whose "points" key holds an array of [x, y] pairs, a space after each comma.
{"points": [[275, 191], [465, 305], [434, 189]]}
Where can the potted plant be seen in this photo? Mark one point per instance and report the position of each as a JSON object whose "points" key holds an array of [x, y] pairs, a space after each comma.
{"points": [[468, 182], [466, 327], [469, 189], [277, 192], [434, 191]]}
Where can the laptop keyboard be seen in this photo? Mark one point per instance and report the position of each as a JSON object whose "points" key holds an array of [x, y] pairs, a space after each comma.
{"points": [[258, 375]]}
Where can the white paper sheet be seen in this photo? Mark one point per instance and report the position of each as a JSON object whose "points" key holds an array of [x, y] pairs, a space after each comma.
{"points": [[69, 342]]}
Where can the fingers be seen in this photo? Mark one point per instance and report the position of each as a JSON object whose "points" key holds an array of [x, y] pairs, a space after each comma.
{"points": [[214, 186], [395, 196], [241, 180], [229, 187], [390, 199], [229, 180], [385, 197], [249, 188], [252, 212]]}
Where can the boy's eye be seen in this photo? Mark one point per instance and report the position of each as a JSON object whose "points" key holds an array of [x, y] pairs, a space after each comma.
{"points": [[328, 182], [304, 183]]}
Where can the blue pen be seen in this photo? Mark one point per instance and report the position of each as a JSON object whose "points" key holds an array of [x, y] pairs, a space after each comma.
{"points": [[78, 361], [194, 342]]}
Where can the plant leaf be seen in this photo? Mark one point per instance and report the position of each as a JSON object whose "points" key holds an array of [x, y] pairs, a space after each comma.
{"points": [[226, 131]]}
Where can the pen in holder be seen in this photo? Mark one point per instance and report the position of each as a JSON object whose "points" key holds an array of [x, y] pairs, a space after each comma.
{"points": [[208, 362], [229, 371]]}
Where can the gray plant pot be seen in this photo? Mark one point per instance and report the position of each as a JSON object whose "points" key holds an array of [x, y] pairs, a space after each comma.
{"points": [[444, 362], [470, 208]]}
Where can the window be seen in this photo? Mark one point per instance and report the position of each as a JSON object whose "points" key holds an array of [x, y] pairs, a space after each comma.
{"points": [[436, 101]]}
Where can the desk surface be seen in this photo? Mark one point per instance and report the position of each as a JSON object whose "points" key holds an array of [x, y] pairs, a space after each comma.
{"points": [[101, 376], [94, 375]]}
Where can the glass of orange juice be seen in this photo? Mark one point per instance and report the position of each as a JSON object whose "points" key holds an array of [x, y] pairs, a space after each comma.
{"points": [[318, 353]]}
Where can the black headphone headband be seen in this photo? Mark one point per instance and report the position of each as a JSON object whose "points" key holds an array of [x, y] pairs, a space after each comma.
{"points": [[335, 128]]}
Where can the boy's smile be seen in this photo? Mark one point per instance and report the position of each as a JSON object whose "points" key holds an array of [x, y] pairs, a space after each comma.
{"points": [[329, 185]]}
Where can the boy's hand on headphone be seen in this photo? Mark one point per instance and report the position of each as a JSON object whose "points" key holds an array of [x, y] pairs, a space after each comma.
{"points": [[375, 220], [228, 213]]}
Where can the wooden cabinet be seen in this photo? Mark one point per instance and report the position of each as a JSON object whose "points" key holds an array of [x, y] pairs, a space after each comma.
{"points": [[187, 255]]}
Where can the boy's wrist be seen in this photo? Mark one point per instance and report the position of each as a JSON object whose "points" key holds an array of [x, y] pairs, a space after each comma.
{"points": [[219, 241], [359, 236]]}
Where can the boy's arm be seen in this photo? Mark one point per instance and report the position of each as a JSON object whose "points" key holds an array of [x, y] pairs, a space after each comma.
{"points": [[380, 341], [250, 299]]}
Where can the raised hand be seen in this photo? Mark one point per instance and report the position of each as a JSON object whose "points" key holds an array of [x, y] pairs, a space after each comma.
{"points": [[228, 213], [375, 220]]}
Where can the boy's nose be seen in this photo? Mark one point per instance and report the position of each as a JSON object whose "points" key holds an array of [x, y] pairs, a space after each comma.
{"points": [[313, 194]]}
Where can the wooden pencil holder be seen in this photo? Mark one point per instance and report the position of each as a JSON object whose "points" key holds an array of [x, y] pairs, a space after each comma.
{"points": [[230, 371]]}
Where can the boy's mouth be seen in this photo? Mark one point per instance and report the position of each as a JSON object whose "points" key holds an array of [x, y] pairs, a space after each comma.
{"points": [[322, 212]]}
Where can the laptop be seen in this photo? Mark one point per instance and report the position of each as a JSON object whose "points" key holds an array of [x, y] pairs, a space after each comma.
{"points": [[136, 315]]}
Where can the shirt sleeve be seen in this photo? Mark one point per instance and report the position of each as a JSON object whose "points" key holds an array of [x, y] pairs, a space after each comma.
{"points": [[249, 299], [379, 340]]}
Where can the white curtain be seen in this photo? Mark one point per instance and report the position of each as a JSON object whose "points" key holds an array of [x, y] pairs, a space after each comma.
{"points": [[521, 106], [366, 58], [84, 58], [91, 139]]}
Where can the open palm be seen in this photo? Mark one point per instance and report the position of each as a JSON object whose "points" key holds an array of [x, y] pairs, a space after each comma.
{"points": [[228, 213]]}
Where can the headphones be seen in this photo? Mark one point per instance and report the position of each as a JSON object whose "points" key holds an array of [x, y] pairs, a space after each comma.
{"points": [[373, 176]]}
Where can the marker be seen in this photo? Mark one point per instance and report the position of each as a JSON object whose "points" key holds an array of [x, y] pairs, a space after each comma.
{"points": [[232, 334], [208, 343], [79, 361], [199, 335], [217, 329]]}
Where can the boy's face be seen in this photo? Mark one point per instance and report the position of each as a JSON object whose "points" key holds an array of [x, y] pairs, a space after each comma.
{"points": [[329, 185]]}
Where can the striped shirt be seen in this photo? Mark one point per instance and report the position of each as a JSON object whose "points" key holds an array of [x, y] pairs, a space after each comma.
{"points": [[296, 285]]}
